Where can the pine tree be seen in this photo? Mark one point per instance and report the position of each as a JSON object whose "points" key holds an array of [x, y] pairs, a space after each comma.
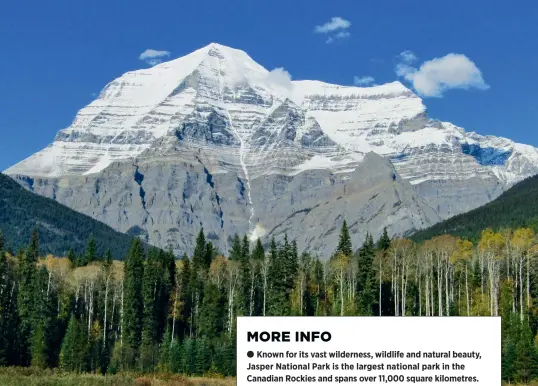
{"points": [[9, 322], [258, 252], [186, 298], [108, 259], [188, 365], [344, 241], [27, 298], [278, 301], [209, 254], [166, 352], [365, 278], [236, 250], [244, 260], [384, 242], [150, 290], [74, 347], [509, 340], [151, 286], [525, 362], [200, 252], [212, 312], [167, 283], [133, 301], [41, 341], [91, 251], [202, 356], [198, 271]]}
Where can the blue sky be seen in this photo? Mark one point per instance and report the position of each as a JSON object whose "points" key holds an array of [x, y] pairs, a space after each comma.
{"points": [[57, 55]]}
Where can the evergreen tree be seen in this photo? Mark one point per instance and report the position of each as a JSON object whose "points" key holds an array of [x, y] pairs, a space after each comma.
{"points": [[133, 301], [9, 322], [198, 272], [91, 251], [27, 298], [150, 290], [74, 347], [344, 241], [95, 348], [166, 353], [108, 258], [42, 338], [366, 278], [509, 341], [279, 272], [525, 363], [199, 258], [384, 241], [186, 298], [244, 260], [209, 254], [212, 313], [258, 253], [167, 282], [245, 248], [236, 250], [188, 356], [202, 356]]}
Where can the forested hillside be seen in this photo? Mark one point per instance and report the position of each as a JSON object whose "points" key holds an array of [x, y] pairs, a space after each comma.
{"points": [[60, 228], [517, 207], [154, 313]]}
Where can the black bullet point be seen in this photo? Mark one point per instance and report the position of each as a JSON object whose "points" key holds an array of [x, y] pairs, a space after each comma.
{"points": [[250, 354]]}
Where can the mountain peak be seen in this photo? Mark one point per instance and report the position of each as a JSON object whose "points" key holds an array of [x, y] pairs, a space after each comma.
{"points": [[219, 47]]}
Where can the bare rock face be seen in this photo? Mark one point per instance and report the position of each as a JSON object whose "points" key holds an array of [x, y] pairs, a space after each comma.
{"points": [[214, 140]]}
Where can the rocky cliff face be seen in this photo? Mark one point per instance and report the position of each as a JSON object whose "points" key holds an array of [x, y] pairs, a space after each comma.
{"points": [[213, 139]]}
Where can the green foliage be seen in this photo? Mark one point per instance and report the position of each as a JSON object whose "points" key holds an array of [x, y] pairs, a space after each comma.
{"points": [[133, 302], [60, 228], [258, 253], [344, 241], [142, 315], [91, 251], [366, 296], [512, 209], [74, 347], [27, 298], [384, 242]]}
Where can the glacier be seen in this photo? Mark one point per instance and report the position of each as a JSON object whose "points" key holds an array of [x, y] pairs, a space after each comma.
{"points": [[212, 140]]}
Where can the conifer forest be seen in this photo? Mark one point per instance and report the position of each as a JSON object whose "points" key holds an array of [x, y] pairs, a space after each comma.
{"points": [[148, 311]]}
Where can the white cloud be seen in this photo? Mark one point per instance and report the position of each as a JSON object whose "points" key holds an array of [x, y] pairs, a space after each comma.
{"points": [[153, 57], [363, 80], [280, 77], [434, 77], [332, 26], [341, 35], [407, 57]]}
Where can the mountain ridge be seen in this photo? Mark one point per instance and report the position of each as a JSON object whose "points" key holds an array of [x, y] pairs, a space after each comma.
{"points": [[512, 209], [60, 228], [217, 115]]}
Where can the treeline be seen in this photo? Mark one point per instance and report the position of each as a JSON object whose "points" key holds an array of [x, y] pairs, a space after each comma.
{"points": [[512, 209], [60, 228], [152, 312]]}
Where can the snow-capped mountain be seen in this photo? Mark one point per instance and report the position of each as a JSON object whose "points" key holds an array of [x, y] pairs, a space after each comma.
{"points": [[214, 139]]}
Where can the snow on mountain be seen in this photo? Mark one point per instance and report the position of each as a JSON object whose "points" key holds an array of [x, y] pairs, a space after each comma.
{"points": [[141, 106], [218, 107]]}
